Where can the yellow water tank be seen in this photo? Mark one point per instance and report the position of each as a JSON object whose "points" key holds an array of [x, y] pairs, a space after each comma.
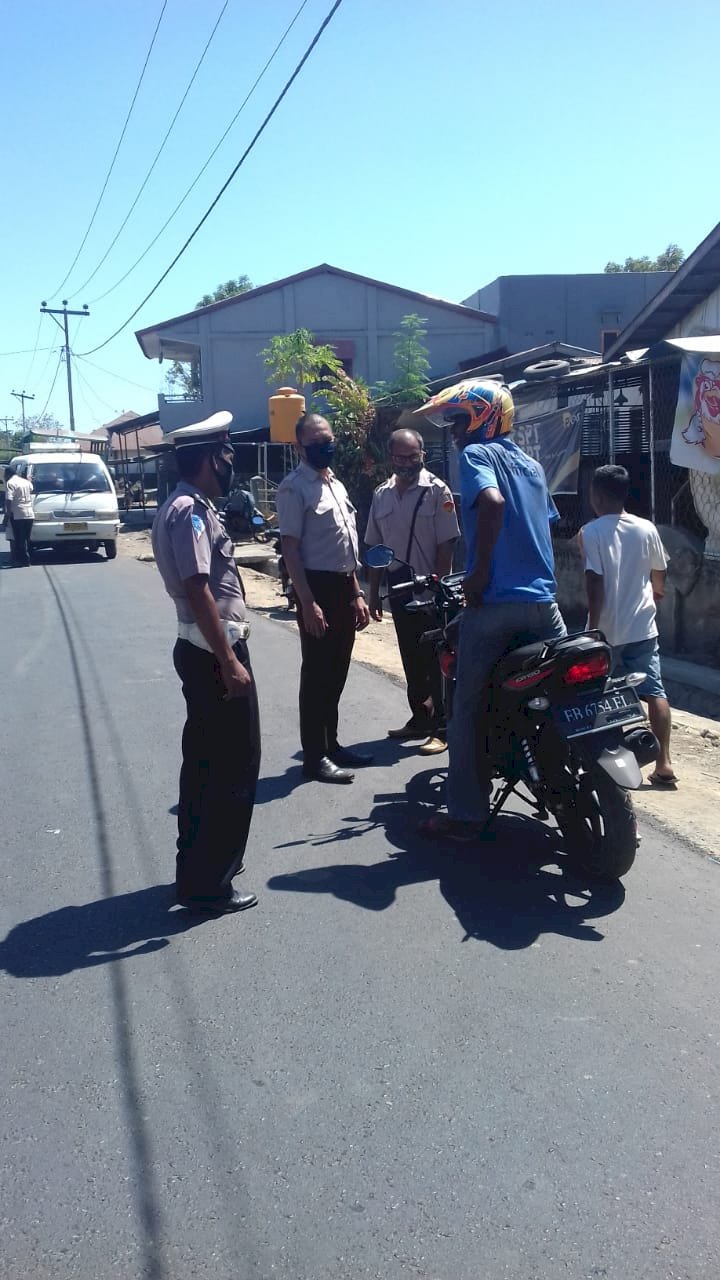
{"points": [[285, 407]]}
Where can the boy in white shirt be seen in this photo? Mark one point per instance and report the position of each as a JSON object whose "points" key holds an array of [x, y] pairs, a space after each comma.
{"points": [[625, 572]]}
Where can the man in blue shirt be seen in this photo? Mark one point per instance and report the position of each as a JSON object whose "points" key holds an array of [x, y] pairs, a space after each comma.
{"points": [[509, 584]]}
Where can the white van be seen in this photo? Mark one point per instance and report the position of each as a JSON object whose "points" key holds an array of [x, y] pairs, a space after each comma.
{"points": [[74, 500]]}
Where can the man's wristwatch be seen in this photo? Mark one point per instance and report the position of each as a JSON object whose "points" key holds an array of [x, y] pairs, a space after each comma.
{"points": [[359, 595]]}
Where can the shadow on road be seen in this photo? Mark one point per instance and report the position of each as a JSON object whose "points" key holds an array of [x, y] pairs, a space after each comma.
{"points": [[508, 890], [94, 933]]}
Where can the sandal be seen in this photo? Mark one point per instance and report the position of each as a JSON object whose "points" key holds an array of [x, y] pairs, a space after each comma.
{"points": [[667, 780], [441, 826]]}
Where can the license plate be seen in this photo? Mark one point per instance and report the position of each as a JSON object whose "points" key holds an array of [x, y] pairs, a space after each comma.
{"points": [[75, 528], [593, 712]]}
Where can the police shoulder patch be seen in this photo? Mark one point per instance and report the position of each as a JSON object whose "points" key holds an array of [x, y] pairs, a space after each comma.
{"points": [[448, 505], [198, 525]]}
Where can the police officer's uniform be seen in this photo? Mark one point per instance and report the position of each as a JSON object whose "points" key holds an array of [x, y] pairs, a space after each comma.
{"points": [[221, 738], [317, 510], [415, 522]]}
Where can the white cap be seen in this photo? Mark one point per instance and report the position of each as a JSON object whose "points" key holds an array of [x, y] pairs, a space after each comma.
{"points": [[212, 430]]}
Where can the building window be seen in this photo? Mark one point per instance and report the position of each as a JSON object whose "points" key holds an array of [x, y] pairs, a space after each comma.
{"points": [[607, 337]]}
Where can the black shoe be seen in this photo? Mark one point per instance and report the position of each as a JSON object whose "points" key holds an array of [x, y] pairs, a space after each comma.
{"points": [[413, 729], [326, 771], [350, 759], [219, 906]]}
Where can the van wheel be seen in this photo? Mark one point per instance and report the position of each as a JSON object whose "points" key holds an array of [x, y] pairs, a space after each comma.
{"points": [[110, 549]]}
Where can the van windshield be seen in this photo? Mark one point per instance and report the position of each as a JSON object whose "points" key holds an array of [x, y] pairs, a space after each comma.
{"points": [[69, 477]]}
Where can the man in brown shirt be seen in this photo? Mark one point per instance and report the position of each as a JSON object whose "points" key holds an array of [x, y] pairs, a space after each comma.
{"points": [[221, 738], [320, 548]]}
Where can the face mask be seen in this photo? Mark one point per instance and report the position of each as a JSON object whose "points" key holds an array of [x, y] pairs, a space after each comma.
{"points": [[407, 470], [321, 454], [224, 473]]}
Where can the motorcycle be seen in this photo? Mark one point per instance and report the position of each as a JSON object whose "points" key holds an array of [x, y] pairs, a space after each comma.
{"points": [[558, 725], [242, 519], [286, 585]]}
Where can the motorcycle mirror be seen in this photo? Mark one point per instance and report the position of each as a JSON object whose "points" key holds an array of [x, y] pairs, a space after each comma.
{"points": [[258, 521], [379, 557]]}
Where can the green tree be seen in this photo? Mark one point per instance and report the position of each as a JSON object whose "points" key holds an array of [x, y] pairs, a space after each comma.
{"points": [[182, 378], [409, 386], [669, 260], [359, 459], [296, 359], [243, 284]]}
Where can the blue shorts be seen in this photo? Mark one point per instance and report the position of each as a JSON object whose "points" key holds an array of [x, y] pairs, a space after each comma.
{"points": [[643, 655]]}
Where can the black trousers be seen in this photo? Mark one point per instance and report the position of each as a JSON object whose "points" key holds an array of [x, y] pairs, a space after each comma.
{"points": [[421, 667], [21, 537], [220, 766], [325, 663]]}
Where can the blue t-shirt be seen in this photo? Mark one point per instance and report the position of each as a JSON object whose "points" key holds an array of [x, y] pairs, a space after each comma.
{"points": [[523, 565]]}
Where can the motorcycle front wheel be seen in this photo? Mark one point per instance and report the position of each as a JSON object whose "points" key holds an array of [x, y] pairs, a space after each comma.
{"points": [[598, 823]]}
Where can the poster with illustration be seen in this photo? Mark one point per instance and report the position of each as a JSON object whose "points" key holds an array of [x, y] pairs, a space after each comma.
{"points": [[696, 435]]}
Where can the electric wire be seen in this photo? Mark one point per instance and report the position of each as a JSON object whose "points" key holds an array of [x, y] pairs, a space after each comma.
{"points": [[31, 366], [115, 156], [140, 385], [101, 297], [26, 351], [158, 153], [283, 93], [83, 382], [52, 387]]}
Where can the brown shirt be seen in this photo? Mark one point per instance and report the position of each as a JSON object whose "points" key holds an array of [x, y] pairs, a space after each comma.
{"points": [[188, 540], [391, 516], [317, 511]]}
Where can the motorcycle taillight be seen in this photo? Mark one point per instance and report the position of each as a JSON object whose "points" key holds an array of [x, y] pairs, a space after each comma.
{"points": [[596, 667], [447, 662]]}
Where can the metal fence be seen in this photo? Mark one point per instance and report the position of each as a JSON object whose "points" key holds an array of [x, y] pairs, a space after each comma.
{"points": [[629, 417]]}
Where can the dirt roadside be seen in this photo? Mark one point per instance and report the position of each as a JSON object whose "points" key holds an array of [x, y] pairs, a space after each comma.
{"points": [[690, 812]]}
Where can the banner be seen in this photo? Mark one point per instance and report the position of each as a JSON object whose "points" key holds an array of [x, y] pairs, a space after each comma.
{"points": [[696, 435], [553, 440]]}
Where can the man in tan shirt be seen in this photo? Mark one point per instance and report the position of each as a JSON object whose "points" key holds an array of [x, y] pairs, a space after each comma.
{"points": [[320, 547], [414, 513]]}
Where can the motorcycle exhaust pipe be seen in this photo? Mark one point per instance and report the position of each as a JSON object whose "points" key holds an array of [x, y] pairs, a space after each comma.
{"points": [[643, 744]]}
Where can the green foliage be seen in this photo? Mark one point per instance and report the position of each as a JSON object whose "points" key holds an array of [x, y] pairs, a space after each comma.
{"points": [[359, 454], [297, 360], [183, 379], [243, 284], [409, 386], [669, 260]]}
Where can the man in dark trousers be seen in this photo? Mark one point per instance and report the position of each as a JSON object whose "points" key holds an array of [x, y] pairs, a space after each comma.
{"points": [[414, 513], [320, 546], [221, 738]]}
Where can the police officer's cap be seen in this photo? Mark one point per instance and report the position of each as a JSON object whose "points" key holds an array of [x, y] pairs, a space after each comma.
{"points": [[212, 430]]}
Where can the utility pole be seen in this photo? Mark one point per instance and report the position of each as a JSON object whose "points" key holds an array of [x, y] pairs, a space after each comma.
{"points": [[22, 396], [49, 311]]}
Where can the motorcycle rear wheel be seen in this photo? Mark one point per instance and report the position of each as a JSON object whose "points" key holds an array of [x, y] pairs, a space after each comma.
{"points": [[599, 826]]}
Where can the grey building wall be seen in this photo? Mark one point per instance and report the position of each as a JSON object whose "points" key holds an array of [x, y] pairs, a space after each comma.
{"points": [[533, 310], [335, 309]]}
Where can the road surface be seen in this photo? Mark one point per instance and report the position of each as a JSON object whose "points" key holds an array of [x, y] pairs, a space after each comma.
{"points": [[399, 1065]]}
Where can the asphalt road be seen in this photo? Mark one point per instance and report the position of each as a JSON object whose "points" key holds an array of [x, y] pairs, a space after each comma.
{"points": [[400, 1064]]}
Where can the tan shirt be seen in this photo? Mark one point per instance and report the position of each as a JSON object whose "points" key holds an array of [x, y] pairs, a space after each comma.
{"points": [[317, 511], [391, 517], [18, 499], [188, 540]]}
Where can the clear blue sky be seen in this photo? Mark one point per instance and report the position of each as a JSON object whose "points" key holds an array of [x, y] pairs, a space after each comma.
{"points": [[435, 146]]}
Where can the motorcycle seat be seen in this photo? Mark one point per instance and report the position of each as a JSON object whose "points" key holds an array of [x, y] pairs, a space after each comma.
{"points": [[516, 659]]}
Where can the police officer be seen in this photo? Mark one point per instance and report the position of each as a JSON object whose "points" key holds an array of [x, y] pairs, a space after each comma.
{"points": [[221, 738], [320, 546], [414, 513]]}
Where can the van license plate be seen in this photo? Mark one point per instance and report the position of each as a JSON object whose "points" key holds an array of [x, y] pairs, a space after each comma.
{"points": [[598, 711], [75, 528]]}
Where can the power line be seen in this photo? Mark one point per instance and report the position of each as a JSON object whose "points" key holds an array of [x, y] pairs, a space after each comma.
{"points": [[34, 354], [158, 153], [328, 18], [26, 351], [84, 382], [52, 388], [140, 385], [101, 297], [115, 156]]}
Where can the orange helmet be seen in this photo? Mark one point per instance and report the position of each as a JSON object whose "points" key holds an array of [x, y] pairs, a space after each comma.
{"points": [[486, 408]]}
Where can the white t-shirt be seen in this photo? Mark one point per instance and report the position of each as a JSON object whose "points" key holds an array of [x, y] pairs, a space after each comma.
{"points": [[623, 550], [18, 498]]}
